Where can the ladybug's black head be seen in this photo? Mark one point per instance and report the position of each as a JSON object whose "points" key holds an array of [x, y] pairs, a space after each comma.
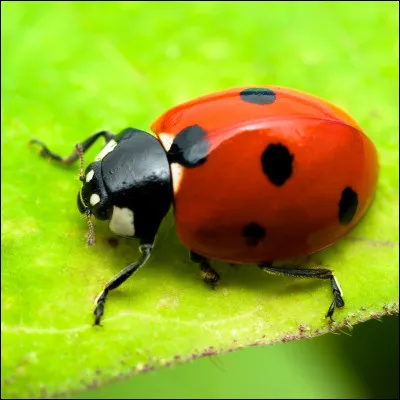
{"points": [[129, 184], [93, 195]]}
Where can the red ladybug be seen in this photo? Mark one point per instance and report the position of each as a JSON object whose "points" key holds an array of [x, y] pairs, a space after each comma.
{"points": [[254, 174]]}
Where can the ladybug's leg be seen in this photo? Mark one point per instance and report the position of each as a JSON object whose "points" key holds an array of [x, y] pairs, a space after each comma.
{"points": [[312, 273], [85, 145], [118, 279], [209, 275]]}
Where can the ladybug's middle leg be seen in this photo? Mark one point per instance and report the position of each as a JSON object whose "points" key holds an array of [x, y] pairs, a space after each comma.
{"points": [[209, 275], [320, 273]]}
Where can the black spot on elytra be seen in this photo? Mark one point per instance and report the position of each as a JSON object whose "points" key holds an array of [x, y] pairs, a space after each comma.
{"points": [[258, 96], [347, 205], [253, 233], [190, 147], [277, 163]]}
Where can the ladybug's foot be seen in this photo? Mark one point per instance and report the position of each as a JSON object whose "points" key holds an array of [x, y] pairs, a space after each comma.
{"points": [[209, 275], [45, 152], [99, 310], [337, 298]]}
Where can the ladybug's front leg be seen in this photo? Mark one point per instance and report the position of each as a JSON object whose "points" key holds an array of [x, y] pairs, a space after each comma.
{"points": [[118, 279], [85, 145], [209, 275], [320, 273]]}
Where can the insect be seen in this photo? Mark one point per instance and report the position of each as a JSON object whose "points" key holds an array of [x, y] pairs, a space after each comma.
{"points": [[254, 174]]}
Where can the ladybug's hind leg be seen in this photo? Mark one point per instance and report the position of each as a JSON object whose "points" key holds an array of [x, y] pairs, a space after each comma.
{"points": [[320, 273], [209, 275]]}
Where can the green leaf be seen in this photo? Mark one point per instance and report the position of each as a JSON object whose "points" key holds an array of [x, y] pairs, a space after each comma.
{"points": [[69, 69]]}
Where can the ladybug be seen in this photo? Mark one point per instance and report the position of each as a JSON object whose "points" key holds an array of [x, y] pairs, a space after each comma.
{"points": [[254, 174]]}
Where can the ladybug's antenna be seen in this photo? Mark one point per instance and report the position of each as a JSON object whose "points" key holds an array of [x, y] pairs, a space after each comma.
{"points": [[90, 241], [79, 150]]}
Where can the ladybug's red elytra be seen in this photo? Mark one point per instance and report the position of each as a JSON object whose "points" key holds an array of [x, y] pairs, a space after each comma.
{"points": [[255, 175]]}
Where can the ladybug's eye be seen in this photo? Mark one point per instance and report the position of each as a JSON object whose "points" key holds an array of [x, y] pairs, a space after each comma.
{"points": [[81, 204]]}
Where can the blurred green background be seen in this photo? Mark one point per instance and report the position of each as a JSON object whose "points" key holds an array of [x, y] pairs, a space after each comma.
{"points": [[167, 52]]}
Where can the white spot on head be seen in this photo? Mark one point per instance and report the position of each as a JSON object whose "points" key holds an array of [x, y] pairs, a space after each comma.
{"points": [[89, 175], [166, 140], [122, 222], [94, 199], [108, 148], [177, 175]]}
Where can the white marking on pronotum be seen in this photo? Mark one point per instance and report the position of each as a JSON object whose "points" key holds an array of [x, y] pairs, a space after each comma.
{"points": [[94, 199], [177, 175], [122, 221], [166, 139], [337, 284], [108, 148], [89, 175]]}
